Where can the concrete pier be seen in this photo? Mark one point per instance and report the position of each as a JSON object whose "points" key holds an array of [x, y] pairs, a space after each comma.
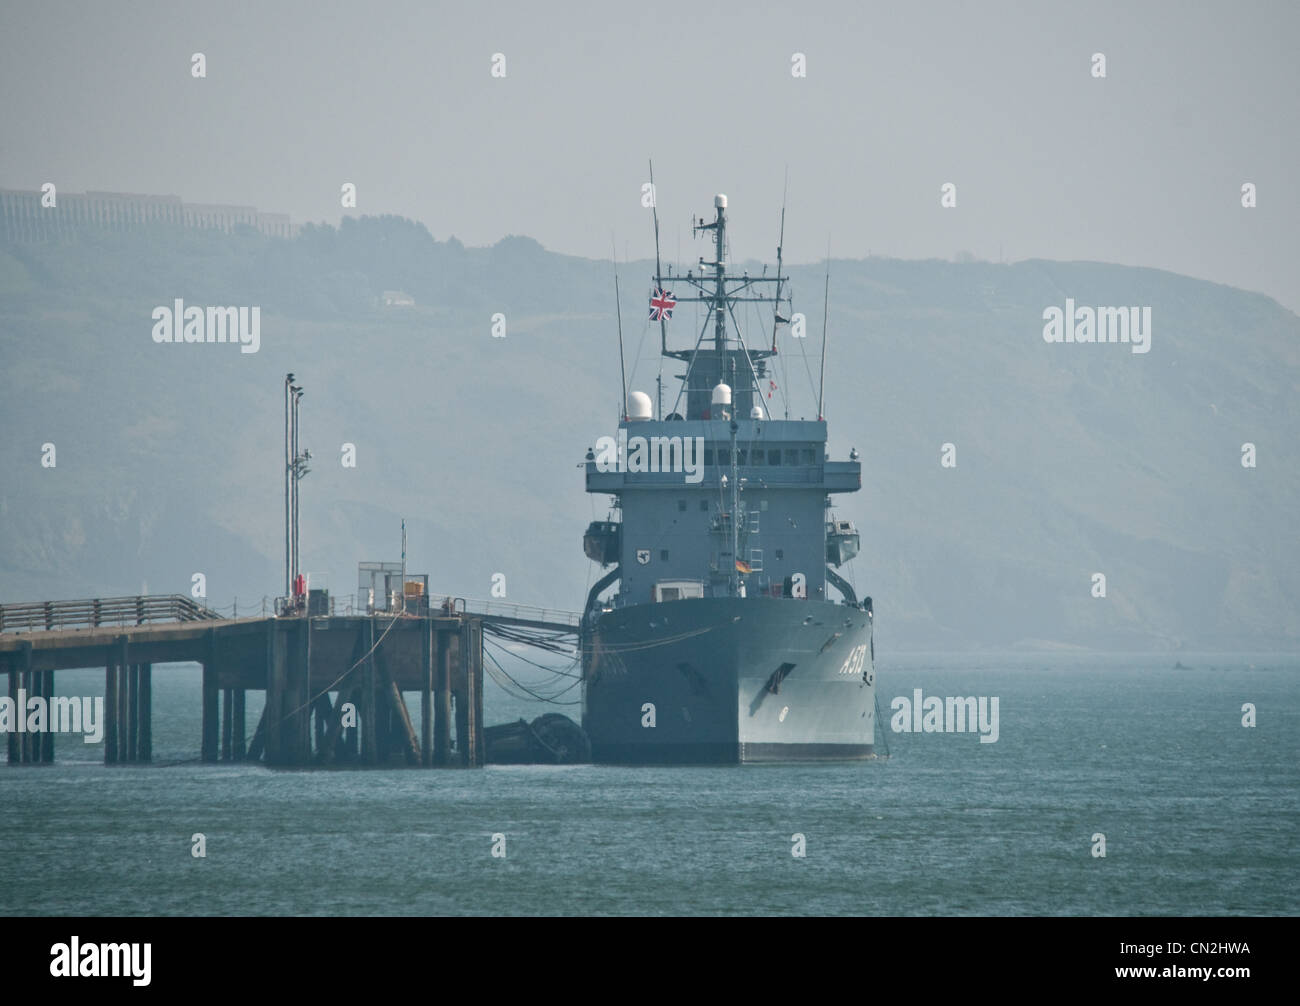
{"points": [[335, 687]]}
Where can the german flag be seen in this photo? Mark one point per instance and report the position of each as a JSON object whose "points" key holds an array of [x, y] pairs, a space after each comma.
{"points": [[743, 567]]}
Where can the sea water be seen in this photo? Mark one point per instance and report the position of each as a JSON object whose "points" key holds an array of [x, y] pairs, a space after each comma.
{"points": [[1128, 756]]}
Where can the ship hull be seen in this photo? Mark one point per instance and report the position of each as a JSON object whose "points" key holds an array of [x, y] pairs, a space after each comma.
{"points": [[728, 680]]}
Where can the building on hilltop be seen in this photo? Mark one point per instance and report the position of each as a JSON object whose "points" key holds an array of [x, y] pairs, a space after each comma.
{"points": [[23, 218]]}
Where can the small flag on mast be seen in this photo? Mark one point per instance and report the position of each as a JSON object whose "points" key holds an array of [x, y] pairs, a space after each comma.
{"points": [[743, 567], [661, 305]]}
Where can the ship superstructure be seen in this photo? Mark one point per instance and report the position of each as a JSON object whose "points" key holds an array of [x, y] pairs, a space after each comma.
{"points": [[722, 640]]}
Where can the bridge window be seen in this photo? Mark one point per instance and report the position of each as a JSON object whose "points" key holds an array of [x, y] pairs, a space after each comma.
{"points": [[708, 456], [757, 456], [724, 456], [791, 456], [809, 456], [663, 555], [774, 456], [742, 456]]}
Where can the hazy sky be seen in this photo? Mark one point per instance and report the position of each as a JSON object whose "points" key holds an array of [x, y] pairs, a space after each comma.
{"points": [[1144, 167]]}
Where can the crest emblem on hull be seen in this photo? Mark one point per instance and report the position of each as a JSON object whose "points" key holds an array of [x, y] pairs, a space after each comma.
{"points": [[643, 556]]}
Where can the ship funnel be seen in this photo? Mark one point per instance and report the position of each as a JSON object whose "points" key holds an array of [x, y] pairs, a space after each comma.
{"points": [[638, 407], [720, 201], [721, 395]]}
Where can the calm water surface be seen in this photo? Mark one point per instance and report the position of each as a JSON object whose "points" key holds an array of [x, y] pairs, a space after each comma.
{"points": [[1200, 814]]}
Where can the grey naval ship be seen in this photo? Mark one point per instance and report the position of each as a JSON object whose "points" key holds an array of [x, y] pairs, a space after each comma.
{"points": [[719, 642]]}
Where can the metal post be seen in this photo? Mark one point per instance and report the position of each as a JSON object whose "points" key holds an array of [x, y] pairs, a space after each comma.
{"points": [[288, 475]]}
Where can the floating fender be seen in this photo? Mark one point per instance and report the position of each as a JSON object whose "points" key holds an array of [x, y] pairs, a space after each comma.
{"points": [[551, 739]]}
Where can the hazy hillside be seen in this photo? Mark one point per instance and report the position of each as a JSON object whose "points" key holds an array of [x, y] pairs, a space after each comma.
{"points": [[1071, 459]]}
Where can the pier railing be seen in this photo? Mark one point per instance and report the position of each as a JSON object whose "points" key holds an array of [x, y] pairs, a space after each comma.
{"points": [[524, 612], [102, 611]]}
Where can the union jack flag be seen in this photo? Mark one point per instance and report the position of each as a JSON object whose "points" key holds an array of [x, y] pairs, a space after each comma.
{"points": [[661, 305]]}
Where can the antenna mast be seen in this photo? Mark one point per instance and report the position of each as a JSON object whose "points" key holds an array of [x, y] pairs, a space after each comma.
{"points": [[618, 307], [654, 209], [780, 243], [826, 299]]}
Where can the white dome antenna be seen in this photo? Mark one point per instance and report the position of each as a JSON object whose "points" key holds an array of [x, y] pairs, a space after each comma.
{"points": [[639, 408]]}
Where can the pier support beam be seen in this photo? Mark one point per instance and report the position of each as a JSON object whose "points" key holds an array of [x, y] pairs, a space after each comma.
{"points": [[273, 714], [401, 729], [369, 719], [144, 696], [47, 738], [110, 709], [31, 742], [133, 713], [123, 707], [426, 694], [469, 697], [299, 689], [238, 725], [14, 737], [442, 699], [211, 709], [227, 722]]}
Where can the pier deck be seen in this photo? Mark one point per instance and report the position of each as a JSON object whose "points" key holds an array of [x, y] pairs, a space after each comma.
{"points": [[334, 684]]}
